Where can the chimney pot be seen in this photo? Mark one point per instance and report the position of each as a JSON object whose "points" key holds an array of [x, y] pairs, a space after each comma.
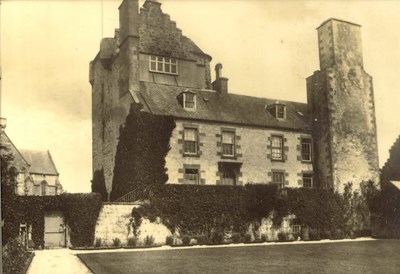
{"points": [[218, 70]]}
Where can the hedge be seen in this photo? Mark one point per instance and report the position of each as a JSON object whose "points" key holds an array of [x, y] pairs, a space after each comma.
{"points": [[80, 210], [211, 211]]}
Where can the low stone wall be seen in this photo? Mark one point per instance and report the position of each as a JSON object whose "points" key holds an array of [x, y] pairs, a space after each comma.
{"points": [[115, 221]]}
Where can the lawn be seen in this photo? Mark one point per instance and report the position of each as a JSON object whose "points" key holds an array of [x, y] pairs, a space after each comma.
{"points": [[381, 256]]}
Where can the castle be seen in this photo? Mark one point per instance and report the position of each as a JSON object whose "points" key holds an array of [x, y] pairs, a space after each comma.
{"points": [[231, 139]]}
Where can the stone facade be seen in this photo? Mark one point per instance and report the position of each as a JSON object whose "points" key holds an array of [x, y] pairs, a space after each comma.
{"points": [[341, 101], [252, 154], [150, 61]]}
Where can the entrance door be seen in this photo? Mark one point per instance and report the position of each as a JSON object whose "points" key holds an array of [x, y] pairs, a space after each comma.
{"points": [[54, 232]]}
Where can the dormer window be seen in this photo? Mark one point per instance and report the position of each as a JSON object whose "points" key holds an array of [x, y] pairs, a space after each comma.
{"points": [[163, 65], [187, 99], [278, 110]]}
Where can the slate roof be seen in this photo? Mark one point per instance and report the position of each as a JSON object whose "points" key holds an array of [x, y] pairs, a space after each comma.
{"points": [[40, 162], [228, 108]]}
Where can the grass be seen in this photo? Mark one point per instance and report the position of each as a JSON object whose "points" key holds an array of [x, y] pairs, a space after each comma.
{"points": [[381, 256]]}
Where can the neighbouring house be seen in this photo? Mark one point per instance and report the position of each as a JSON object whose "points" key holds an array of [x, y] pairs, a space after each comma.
{"points": [[222, 138], [391, 170], [36, 172]]}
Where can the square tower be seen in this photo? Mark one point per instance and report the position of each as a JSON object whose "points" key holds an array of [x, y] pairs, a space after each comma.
{"points": [[341, 101]]}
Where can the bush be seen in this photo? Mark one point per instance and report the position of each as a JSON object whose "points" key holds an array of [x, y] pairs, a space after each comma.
{"points": [[186, 240], [201, 240], [97, 242], [362, 233], [149, 241], [15, 257], [247, 238], [132, 241], [169, 240], [236, 238], [116, 242], [296, 236], [282, 237], [264, 238], [314, 235], [217, 238]]}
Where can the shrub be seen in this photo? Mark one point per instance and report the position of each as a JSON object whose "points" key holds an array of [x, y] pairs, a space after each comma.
{"points": [[264, 238], [201, 240], [149, 241], [186, 240], [282, 236], [362, 233], [116, 242], [132, 241], [169, 240], [15, 257], [247, 238], [314, 235], [296, 236], [236, 238], [337, 234], [217, 238], [97, 242]]}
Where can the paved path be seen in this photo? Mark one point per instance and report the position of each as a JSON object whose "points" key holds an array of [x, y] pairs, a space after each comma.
{"points": [[60, 261], [57, 261]]}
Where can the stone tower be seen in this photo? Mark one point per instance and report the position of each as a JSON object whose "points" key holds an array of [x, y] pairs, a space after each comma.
{"points": [[341, 101]]}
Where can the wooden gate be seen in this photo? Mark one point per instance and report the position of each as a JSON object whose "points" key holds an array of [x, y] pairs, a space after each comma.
{"points": [[54, 230]]}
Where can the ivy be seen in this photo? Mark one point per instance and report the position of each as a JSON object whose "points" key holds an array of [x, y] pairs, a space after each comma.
{"points": [[140, 158], [99, 184]]}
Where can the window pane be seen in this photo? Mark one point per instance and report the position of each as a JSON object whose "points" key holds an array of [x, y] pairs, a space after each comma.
{"points": [[306, 149], [190, 134], [153, 65], [280, 113], [190, 140], [307, 180], [189, 100], [152, 58], [173, 68], [227, 137], [159, 59], [277, 147], [278, 178], [167, 68], [191, 176]]}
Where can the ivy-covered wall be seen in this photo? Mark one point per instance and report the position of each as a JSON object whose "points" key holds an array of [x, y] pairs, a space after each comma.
{"points": [[142, 147], [219, 210]]}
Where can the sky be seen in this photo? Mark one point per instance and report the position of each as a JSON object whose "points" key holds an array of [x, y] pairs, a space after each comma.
{"points": [[267, 49]]}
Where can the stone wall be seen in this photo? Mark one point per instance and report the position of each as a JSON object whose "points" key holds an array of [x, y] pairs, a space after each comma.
{"points": [[115, 221], [252, 149]]}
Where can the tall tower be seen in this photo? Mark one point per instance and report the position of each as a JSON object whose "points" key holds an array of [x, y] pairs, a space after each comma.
{"points": [[341, 100]]}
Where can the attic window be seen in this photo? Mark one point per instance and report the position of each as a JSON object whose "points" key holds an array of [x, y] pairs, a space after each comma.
{"points": [[163, 65], [278, 110], [187, 99]]}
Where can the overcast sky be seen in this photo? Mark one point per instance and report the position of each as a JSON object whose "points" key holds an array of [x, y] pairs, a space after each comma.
{"points": [[267, 49]]}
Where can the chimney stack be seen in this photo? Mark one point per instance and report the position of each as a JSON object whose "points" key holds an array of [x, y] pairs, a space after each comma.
{"points": [[128, 20], [220, 84]]}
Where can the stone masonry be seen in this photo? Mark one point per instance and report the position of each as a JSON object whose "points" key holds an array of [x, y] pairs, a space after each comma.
{"points": [[341, 101]]}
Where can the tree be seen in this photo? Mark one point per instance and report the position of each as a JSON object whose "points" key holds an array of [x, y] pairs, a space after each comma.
{"points": [[8, 196], [141, 151], [99, 184]]}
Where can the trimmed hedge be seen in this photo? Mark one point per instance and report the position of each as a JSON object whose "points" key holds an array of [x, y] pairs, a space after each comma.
{"points": [[211, 211], [80, 211]]}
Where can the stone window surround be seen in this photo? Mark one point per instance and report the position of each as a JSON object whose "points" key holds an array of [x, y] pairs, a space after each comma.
{"points": [[181, 171], [301, 138], [284, 173], [237, 146], [181, 140], [285, 149], [172, 62]]}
